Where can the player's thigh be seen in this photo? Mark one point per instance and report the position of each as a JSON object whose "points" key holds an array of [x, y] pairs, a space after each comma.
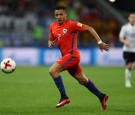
{"points": [[77, 73], [74, 70], [68, 61]]}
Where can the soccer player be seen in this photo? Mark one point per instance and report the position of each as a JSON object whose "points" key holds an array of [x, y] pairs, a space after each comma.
{"points": [[63, 32], [127, 37]]}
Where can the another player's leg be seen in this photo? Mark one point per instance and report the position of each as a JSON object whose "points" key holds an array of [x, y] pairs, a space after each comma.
{"points": [[129, 61], [54, 72], [128, 75]]}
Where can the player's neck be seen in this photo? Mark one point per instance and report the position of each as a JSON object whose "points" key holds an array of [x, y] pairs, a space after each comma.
{"points": [[60, 24], [132, 24]]}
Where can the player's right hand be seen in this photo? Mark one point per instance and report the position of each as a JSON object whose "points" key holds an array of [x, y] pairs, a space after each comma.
{"points": [[127, 44], [104, 46], [51, 43]]}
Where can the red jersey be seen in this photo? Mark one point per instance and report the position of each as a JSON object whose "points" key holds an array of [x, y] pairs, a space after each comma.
{"points": [[65, 35]]}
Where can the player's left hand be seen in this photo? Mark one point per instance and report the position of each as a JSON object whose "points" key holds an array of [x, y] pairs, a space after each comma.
{"points": [[104, 46], [51, 43]]}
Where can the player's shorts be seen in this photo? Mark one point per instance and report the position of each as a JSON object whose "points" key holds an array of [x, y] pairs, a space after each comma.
{"points": [[70, 63], [129, 57]]}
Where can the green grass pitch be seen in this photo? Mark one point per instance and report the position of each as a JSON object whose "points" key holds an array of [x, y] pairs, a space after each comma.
{"points": [[31, 91]]}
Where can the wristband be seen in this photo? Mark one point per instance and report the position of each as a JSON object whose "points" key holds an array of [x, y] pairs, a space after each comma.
{"points": [[99, 42]]}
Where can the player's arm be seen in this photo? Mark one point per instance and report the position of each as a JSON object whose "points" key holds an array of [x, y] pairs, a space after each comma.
{"points": [[121, 36], [101, 45], [122, 40], [51, 40]]}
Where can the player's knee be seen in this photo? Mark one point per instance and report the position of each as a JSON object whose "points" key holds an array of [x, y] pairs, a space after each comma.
{"points": [[52, 72], [129, 68], [82, 82]]}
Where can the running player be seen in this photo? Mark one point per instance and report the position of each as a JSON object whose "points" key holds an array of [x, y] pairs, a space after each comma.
{"points": [[127, 37], [64, 32]]}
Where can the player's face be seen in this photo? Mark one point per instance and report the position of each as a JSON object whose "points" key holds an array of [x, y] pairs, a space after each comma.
{"points": [[132, 19], [60, 16]]}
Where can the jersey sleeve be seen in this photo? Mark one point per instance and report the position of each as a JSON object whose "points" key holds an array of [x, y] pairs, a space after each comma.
{"points": [[51, 37], [122, 32], [77, 26]]}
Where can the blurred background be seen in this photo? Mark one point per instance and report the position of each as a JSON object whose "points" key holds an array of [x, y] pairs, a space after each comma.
{"points": [[24, 29]]}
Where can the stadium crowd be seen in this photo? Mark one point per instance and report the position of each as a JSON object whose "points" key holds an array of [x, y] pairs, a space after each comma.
{"points": [[25, 23]]}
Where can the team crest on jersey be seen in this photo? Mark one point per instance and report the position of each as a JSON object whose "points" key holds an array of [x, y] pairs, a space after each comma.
{"points": [[79, 24], [64, 31]]}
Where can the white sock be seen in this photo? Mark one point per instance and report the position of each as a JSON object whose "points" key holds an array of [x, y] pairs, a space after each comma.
{"points": [[127, 74]]}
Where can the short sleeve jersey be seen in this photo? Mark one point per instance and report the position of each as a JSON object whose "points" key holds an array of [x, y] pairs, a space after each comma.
{"points": [[128, 33], [65, 35]]}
